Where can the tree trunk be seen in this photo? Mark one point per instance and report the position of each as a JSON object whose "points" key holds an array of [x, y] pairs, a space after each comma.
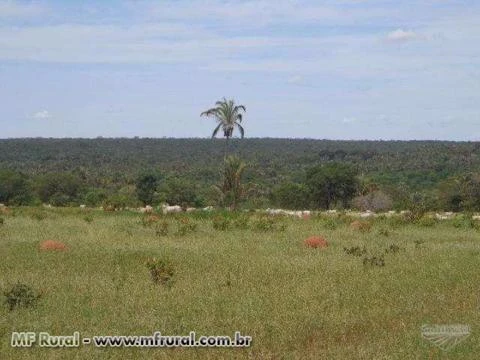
{"points": [[225, 150]]}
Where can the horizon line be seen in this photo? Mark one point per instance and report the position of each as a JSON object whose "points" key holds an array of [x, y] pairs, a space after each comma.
{"points": [[233, 138]]}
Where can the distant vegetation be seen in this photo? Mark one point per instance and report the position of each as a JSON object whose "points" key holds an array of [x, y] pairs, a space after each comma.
{"points": [[278, 172]]}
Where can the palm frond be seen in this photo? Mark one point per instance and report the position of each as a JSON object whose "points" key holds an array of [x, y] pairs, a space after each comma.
{"points": [[240, 107], [241, 129], [209, 112], [216, 130]]}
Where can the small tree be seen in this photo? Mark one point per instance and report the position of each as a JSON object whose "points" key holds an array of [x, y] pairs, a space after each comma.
{"points": [[292, 196], [146, 187], [60, 189], [232, 190], [14, 188], [331, 183]]}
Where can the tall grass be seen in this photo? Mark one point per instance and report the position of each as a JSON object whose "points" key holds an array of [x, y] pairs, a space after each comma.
{"points": [[296, 303]]}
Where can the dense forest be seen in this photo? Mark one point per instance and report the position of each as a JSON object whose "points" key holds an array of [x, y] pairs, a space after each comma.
{"points": [[99, 169]]}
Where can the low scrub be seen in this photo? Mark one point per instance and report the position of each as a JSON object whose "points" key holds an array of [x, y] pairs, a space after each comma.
{"points": [[21, 296], [161, 271]]}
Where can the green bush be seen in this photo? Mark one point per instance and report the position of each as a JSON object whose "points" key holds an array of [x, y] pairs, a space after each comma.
{"points": [[241, 222], [185, 226], [161, 271], [265, 223], [161, 229], [21, 295], [426, 221], [221, 223]]}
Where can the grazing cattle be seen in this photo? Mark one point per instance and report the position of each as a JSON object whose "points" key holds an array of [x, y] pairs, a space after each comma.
{"points": [[476, 217], [208, 208], [146, 210], [190, 209], [83, 206], [366, 214], [445, 216], [166, 209], [296, 213]]}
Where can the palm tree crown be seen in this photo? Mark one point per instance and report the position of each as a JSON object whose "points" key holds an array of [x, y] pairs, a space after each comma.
{"points": [[228, 115]]}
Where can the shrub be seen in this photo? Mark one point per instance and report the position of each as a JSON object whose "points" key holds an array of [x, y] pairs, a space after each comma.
{"points": [[2, 220], [161, 271], [374, 260], [38, 214], [161, 229], [185, 226], [355, 251], [268, 224], [426, 221], [21, 295], [393, 249], [88, 218], [362, 226], [241, 222], [418, 243], [330, 224], [384, 232], [221, 223], [150, 219], [374, 201]]}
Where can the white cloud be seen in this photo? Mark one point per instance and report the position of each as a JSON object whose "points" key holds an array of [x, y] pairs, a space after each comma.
{"points": [[401, 35], [296, 80], [349, 120], [14, 9], [42, 114]]}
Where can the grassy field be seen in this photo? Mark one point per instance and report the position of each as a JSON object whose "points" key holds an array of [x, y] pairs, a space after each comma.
{"points": [[249, 274]]}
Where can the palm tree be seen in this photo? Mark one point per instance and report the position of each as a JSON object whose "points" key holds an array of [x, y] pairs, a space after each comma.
{"points": [[229, 116]]}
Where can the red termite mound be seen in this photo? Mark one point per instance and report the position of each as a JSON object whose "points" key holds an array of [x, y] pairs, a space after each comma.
{"points": [[49, 245], [315, 242]]}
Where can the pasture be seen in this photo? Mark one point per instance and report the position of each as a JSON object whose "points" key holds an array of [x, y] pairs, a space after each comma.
{"points": [[241, 272]]}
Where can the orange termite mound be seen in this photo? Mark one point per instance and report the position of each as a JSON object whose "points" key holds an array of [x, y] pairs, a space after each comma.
{"points": [[315, 242], [49, 245]]}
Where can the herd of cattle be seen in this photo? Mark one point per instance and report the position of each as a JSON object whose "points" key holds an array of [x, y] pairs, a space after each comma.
{"points": [[168, 209]]}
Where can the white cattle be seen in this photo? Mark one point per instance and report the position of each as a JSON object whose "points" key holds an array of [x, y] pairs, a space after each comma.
{"points": [[296, 213], [190, 209], [476, 217], [444, 216], [208, 208], [146, 210], [83, 206], [366, 214], [166, 209]]}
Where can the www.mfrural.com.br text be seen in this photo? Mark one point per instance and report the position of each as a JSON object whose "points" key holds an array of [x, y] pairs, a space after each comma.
{"points": [[156, 340]]}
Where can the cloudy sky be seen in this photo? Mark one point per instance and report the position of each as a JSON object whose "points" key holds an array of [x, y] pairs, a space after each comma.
{"points": [[335, 69]]}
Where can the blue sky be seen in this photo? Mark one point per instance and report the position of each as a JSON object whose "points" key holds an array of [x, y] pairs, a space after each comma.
{"points": [[343, 69]]}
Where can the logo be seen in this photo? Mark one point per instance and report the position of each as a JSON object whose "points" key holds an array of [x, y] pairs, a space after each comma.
{"points": [[445, 336]]}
